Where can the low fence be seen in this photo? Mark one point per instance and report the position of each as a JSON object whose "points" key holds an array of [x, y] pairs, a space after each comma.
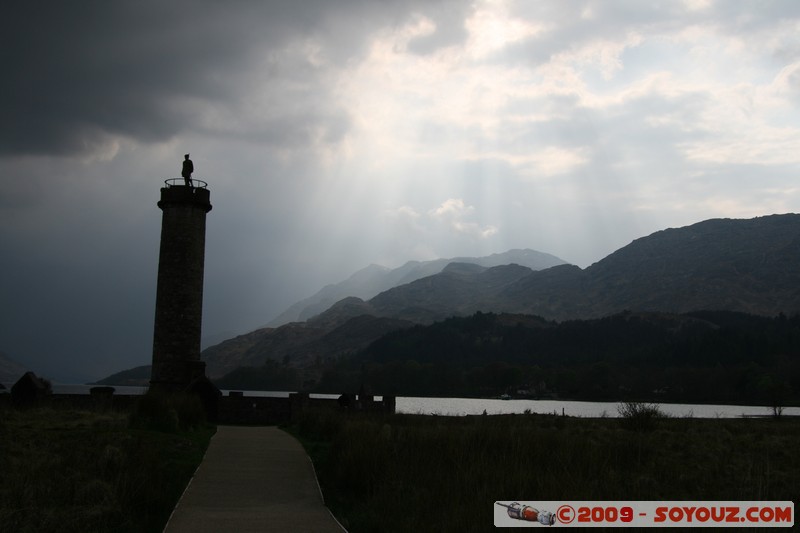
{"points": [[236, 408]]}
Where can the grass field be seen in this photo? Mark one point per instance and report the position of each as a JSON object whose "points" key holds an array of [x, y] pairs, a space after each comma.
{"points": [[75, 470], [433, 473], [72, 470]]}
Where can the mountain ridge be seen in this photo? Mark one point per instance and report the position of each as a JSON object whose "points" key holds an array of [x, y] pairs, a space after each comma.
{"points": [[374, 279], [745, 265], [742, 265]]}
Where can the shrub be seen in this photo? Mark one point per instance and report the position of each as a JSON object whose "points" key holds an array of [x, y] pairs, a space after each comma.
{"points": [[639, 416]]}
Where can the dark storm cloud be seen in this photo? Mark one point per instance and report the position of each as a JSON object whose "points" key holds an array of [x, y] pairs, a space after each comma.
{"points": [[77, 73], [78, 218], [332, 135]]}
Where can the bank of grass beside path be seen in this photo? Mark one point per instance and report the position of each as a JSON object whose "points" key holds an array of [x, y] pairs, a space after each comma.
{"points": [[90, 471], [434, 473]]}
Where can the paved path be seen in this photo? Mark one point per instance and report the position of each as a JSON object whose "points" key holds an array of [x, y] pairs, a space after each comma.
{"points": [[253, 479]]}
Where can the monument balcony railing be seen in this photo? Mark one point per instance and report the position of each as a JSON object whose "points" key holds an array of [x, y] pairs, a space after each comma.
{"points": [[181, 182]]}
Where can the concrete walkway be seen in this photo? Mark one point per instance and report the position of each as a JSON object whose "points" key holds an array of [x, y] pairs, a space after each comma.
{"points": [[253, 479]]}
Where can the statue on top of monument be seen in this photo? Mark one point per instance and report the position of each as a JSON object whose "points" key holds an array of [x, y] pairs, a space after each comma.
{"points": [[186, 171]]}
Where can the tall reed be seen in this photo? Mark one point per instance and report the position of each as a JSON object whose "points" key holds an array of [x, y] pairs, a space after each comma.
{"points": [[68, 470], [433, 473]]}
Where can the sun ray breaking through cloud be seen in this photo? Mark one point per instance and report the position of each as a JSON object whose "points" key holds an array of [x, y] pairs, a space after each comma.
{"points": [[340, 133]]}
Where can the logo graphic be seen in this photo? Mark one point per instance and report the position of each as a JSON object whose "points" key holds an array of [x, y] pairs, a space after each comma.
{"points": [[565, 514], [640, 514], [528, 513]]}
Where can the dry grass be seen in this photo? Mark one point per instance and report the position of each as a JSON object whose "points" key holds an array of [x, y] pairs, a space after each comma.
{"points": [[432, 473], [69, 470]]}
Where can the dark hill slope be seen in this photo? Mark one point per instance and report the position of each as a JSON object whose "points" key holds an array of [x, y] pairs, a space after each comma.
{"points": [[751, 266], [134, 377], [459, 289], [374, 279], [298, 345], [707, 356]]}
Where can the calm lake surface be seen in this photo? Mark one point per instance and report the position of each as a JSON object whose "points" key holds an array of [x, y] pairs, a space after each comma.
{"points": [[476, 406], [470, 406]]}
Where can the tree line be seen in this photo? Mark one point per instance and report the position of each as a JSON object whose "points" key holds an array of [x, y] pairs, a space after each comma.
{"points": [[708, 356]]}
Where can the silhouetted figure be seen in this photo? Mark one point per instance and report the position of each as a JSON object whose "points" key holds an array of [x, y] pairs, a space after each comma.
{"points": [[188, 168]]}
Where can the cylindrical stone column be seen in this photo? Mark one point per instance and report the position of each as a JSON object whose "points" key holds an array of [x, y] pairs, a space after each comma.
{"points": [[179, 295]]}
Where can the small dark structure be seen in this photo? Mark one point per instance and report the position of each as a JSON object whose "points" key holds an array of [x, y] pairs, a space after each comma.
{"points": [[102, 391], [389, 404], [30, 391], [102, 397], [236, 408], [364, 399], [345, 401]]}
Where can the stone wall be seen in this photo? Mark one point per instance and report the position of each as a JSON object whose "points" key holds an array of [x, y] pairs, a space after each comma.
{"points": [[234, 409]]}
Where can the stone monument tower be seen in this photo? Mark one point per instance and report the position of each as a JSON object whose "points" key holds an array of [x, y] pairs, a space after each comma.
{"points": [[179, 295]]}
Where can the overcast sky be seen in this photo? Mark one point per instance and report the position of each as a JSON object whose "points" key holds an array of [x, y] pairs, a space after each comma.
{"points": [[338, 133]]}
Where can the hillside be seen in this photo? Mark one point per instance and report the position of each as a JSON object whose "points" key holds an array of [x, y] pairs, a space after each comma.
{"points": [[750, 266], [460, 289], [135, 377], [375, 279], [299, 345], [700, 357], [716, 356]]}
